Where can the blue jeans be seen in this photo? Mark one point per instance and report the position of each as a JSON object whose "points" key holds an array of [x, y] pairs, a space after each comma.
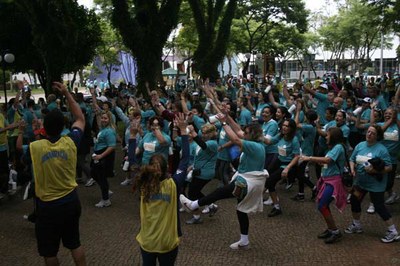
{"points": [[164, 259]]}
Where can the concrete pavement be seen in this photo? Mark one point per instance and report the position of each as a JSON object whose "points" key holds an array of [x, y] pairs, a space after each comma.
{"points": [[108, 234]]}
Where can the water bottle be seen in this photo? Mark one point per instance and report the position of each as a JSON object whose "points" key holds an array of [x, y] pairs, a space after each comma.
{"points": [[94, 155], [126, 166]]}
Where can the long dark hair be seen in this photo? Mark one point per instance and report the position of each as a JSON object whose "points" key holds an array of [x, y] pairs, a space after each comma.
{"points": [[336, 136], [292, 125]]}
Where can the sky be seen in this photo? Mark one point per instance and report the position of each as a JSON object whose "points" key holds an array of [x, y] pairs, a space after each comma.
{"points": [[312, 5]]}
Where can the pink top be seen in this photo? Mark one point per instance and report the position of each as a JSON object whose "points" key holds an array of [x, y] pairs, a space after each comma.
{"points": [[339, 191]]}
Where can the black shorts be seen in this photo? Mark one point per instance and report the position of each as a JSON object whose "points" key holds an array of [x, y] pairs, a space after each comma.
{"points": [[55, 223], [4, 163]]}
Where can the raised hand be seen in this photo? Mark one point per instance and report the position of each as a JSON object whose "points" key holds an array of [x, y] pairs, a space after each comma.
{"points": [[58, 86]]}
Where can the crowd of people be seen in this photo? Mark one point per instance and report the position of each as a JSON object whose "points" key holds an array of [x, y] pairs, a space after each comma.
{"points": [[251, 138]]}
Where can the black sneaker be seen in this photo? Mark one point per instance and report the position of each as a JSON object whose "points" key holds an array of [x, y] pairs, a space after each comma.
{"points": [[274, 212], [212, 209], [325, 234], [333, 238], [298, 197]]}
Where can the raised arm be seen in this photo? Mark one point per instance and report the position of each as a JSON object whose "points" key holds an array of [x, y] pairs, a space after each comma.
{"points": [[229, 130], [74, 107]]}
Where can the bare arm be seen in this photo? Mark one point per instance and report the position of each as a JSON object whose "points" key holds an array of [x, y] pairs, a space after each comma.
{"points": [[74, 107], [234, 138]]}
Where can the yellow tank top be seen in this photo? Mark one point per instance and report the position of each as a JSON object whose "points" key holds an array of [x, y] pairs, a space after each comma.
{"points": [[159, 220], [14, 132], [3, 135], [54, 168]]}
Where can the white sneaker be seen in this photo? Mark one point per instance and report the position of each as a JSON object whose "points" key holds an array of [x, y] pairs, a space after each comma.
{"points": [[103, 203], [186, 203], [90, 182], [206, 209], [391, 199], [181, 209], [238, 245], [126, 182], [268, 202], [390, 237], [371, 209]]}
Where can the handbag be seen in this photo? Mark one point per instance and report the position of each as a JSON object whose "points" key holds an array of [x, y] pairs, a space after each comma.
{"points": [[347, 178]]}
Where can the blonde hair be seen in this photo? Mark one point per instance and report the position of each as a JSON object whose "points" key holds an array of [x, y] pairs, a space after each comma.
{"points": [[109, 115]]}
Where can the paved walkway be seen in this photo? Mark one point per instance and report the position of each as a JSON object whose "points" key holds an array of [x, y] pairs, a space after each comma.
{"points": [[108, 234]]}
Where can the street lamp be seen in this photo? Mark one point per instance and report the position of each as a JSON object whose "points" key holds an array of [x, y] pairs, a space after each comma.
{"points": [[5, 58]]}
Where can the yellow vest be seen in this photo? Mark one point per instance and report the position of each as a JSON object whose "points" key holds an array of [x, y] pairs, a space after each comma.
{"points": [[14, 132], [54, 168], [159, 220], [3, 135]]}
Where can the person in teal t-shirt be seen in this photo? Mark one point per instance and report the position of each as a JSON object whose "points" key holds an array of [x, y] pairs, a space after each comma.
{"points": [[155, 141], [330, 186], [286, 165], [391, 141], [370, 178], [270, 128], [307, 139], [252, 161]]}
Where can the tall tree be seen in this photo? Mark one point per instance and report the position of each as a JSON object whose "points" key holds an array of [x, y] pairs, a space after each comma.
{"points": [[145, 26], [259, 17], [110, 47], [356, 31], [213, 23], [65, 35]]}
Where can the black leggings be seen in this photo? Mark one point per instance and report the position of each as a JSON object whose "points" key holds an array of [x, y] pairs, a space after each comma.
{"points": [[223, 171], [98, 172], [391, 177], [195, 187], [224, 193], [276, 175], [302, 179], [377, 198]]}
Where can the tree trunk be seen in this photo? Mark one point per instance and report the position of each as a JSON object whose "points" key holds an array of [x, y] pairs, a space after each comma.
{"points": [[229, 65], [73, 80]]}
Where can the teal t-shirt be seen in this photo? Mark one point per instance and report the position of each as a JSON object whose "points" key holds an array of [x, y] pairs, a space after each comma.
{"points": [[337, 163], [391, 141], [321, 106], [270, 129], [308, 136], [198, 122], [322, 140], [252, 158], [150, 146], [105, 138], [244, 117], [205, 160], [361, 154], [287, 149], [223, 139]]}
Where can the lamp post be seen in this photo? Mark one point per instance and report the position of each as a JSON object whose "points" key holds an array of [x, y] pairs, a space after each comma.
{"points": [[5, 58]]}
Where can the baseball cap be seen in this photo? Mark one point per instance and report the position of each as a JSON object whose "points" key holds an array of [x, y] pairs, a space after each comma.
{"points": [[324, 86], [102, 99], [367, 100]]}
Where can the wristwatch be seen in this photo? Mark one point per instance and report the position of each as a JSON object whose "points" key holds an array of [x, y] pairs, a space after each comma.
{"points": [[224, 123]]}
